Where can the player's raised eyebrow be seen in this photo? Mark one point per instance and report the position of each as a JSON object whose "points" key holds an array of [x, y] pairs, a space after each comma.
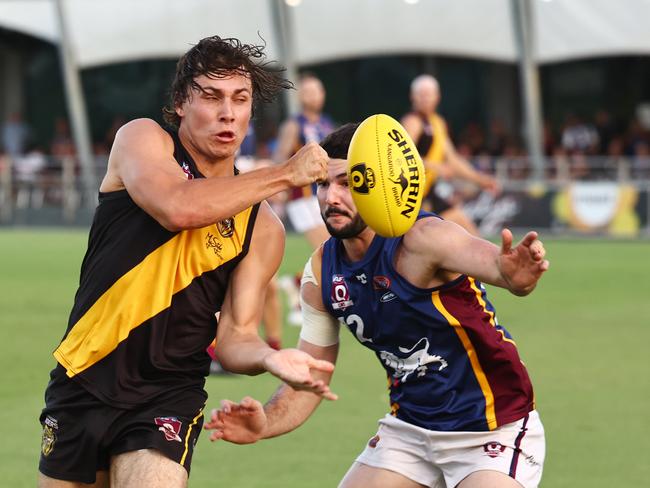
{"points": [[341, 176]]}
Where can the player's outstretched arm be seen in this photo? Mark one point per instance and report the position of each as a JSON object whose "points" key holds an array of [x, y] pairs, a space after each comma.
{"points": [[239, 347], [289, 407], [141, 161], [523, 265], [248, 421], [461, 168], [441, 245]]}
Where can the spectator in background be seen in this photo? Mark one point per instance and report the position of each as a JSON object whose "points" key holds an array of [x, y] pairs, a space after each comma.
{"points": [[616, 165], [474, 137], [15, 133], [27, 169], [641, 160], [441, 160], [310, 125], [62, 145], [497, 138], [550, 138], [579, 137], [605, 129], [118, 122]]}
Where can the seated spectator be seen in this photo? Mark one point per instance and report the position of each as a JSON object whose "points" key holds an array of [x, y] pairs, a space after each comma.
{"points": [[27, 169], [641, 161], [579, 137], [616, 165]]}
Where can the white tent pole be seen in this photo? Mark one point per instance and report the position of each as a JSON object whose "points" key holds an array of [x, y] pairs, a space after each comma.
{"points": [[522, 15], [284, 35], [76, 106]]}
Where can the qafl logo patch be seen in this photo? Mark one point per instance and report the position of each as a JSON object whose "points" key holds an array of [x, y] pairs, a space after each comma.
{"points": [[170, 426], [50, 427], [493, 449], [226, 227], [340, 293]]}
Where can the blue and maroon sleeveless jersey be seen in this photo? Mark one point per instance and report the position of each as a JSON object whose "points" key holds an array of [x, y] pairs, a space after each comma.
{"points": [[450, 365], [310, 132]]}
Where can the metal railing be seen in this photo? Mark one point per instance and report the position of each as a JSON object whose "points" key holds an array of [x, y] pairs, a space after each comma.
{"points": [[46, 190]]}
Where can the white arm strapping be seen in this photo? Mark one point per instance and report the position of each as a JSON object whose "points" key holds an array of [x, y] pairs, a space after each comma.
{"points": [[318, 327]]}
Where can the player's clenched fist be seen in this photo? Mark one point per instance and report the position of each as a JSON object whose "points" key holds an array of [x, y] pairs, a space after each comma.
{"points": [[308, 165]]}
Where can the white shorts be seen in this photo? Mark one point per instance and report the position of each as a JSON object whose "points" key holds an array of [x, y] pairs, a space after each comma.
{"points": [[304, 214], [444, 459]]}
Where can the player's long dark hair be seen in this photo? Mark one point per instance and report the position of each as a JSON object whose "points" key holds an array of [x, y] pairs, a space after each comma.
{"points": [[218, 58], [336, 144]]}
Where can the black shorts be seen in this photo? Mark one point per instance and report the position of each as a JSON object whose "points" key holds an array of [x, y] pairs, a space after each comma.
{"points": [[436, 203], [81, 433]]}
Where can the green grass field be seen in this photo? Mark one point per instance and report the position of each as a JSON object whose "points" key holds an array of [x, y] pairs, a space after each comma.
{"points": [[583, 334]]}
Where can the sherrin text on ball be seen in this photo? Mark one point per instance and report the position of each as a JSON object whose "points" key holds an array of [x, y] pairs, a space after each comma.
{"points": [[386, 175]]}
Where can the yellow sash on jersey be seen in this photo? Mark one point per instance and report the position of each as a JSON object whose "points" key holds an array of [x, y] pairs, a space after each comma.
{"points": [[436, 153], [148, 289]]}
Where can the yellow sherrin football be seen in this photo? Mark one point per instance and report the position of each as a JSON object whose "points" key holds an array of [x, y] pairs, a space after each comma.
{"points": [[386, 175]]}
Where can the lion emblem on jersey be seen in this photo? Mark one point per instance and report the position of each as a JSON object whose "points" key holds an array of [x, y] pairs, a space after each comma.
{"points": [[418, 359], [226, 227]]}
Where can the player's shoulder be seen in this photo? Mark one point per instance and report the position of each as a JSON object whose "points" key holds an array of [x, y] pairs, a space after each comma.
{"points": [[316, 260], [423, 232], [141, 127], [143, 134]]}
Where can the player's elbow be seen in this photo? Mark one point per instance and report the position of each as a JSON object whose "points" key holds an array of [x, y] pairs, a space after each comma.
{"points": [[178, 214], [522, 292], [174, 221]]}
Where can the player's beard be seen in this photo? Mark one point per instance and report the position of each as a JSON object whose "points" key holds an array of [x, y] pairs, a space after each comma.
{"points": [[351, 229]]}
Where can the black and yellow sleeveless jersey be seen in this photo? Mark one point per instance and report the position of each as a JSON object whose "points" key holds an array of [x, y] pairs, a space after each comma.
{"points": [[144, 312], [431, 146]]}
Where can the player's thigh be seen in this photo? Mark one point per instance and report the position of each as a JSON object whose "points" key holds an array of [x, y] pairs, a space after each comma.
{"points": [[489, 479], [146, 467], [363, 476], [46, 482]]}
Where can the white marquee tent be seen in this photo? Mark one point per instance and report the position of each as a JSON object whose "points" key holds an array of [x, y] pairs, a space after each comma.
{"points": [[106, 31], [299, 32]]}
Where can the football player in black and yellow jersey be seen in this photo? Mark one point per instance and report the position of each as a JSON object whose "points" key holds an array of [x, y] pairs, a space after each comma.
{"points": [[177, 236], [429, 132]]}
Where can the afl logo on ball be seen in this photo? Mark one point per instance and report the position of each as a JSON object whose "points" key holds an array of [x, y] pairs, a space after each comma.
{"points": [[362, 178]]}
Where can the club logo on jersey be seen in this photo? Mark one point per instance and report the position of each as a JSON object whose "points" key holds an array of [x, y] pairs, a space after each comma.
{"points": [[340, 293], [373, 442], [380, 282], [49, 435], [418, 359], [493, 449], [362, 278], [170, 426], [188, 172], [226, 227], [212, 242]]}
